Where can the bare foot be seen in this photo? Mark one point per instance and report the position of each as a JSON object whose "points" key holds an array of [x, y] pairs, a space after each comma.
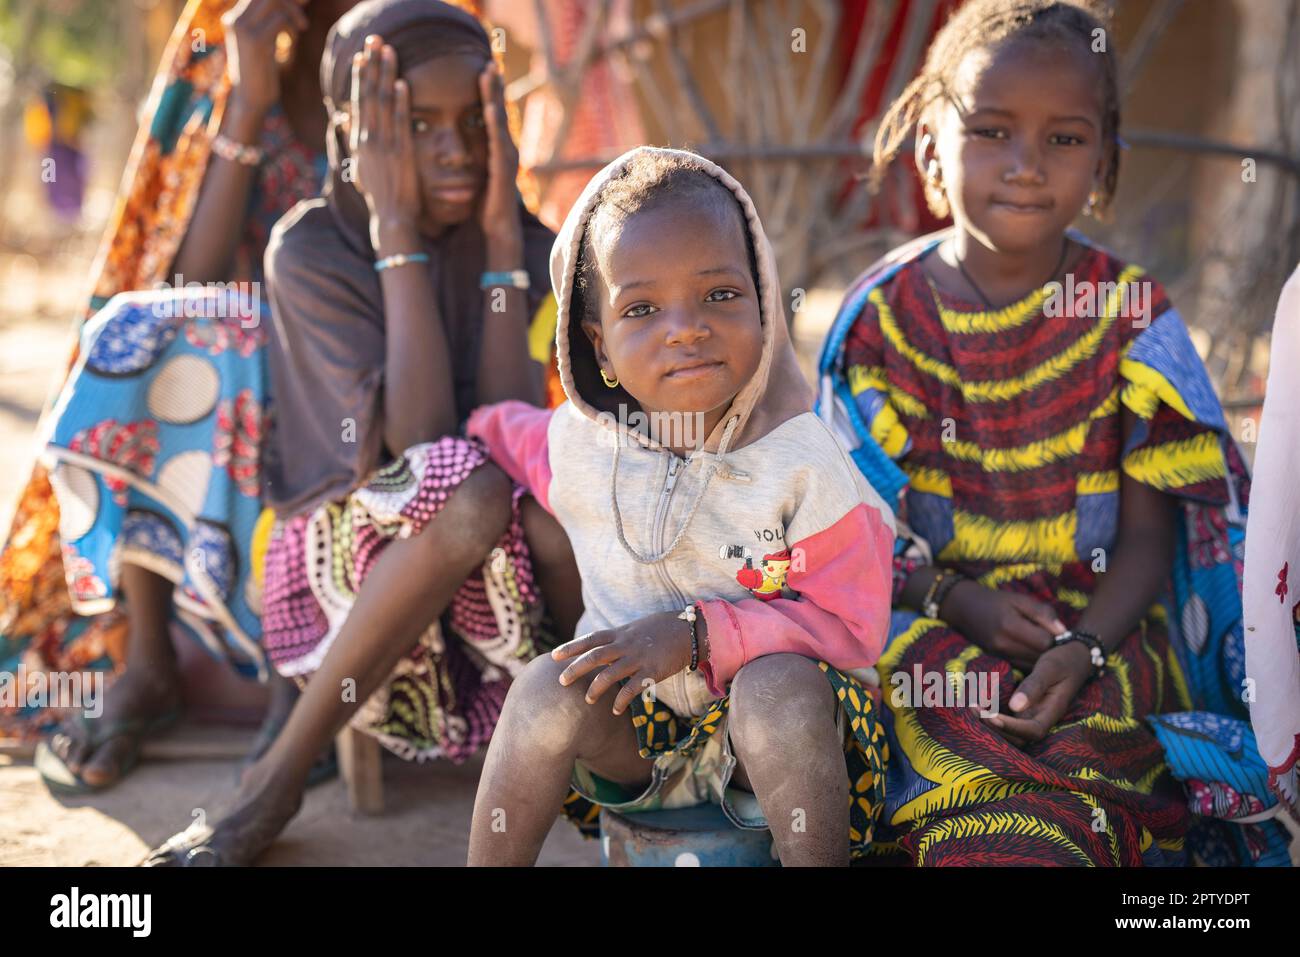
{"points": [[140, 694], [239, 838]]}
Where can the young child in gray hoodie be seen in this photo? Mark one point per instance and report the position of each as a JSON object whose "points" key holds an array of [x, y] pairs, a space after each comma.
{"points": [[735, 565]]}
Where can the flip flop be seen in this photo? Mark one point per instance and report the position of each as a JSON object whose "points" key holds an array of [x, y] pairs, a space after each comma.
{"points": [[61, 779], [189, 848]]}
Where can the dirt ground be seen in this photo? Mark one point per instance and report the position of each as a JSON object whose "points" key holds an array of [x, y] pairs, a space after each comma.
{"points": [[426, 817]]}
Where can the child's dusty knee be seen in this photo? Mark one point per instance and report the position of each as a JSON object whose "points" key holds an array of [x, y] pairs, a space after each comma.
{"points": [[778, 699], [550, 712]]}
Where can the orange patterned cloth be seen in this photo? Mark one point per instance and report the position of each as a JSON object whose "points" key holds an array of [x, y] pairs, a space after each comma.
{"points": [[159, 189]]}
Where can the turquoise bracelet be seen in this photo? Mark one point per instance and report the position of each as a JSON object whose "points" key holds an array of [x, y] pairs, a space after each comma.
{"points": [[513, 278], [401, 259]]}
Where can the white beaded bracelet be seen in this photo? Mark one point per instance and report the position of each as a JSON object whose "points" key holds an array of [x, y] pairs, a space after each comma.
{"points": [[234, 152]]}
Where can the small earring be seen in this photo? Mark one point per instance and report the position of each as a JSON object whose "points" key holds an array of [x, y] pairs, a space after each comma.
{"points": [[609, 383], [1091, 204]]}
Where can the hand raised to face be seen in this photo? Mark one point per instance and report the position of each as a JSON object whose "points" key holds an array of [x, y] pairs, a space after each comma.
{"points": [[379, 140], [499, 213], [251, 27]]}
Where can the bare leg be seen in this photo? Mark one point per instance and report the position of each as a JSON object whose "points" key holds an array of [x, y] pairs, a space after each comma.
{"points": [[782, 725], [409, 587], [554, 567], [148, 688], [283, 694], [544, 728]]}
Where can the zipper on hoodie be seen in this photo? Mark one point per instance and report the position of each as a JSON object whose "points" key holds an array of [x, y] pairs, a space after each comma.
{"points": [[675, 467]]}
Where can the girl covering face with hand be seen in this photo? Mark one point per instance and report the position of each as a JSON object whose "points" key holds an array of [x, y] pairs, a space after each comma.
{"points": [[401, 299]]}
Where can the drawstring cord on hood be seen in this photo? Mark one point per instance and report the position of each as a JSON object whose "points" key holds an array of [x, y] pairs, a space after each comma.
{"points": [[709, 471]]}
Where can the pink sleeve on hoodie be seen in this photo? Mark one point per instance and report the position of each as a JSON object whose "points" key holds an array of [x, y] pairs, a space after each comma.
{"points": [[841, 615], [516, 436]]}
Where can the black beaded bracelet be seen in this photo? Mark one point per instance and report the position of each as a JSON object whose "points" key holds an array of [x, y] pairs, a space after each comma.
{"points": [[1096, 652], [942, 592], [943, 583], [688, 615]]}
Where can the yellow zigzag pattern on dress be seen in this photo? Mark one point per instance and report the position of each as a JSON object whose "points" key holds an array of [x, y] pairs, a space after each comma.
{"points": [[862, 378], [1142, 785], [1112, 840], [981, 823], [1125, 721], [1097, 483], [889, 326], [1145, 389], [999, 390], [960, 781], [1074, 598], [1157, 663], [1016, 314], [1178, 464], [979, 538], [1015, 572], [922, 478], [1040, 452]]}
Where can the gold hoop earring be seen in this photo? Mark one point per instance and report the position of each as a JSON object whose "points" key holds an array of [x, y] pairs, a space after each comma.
{"points": [[609, 383]]}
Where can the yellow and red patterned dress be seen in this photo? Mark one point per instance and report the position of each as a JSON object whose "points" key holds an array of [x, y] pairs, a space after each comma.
{"points": [[1006, 426]]}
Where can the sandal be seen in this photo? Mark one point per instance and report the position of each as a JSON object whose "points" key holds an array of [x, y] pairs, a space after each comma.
{"points": [[189, 848], [61, 779]]}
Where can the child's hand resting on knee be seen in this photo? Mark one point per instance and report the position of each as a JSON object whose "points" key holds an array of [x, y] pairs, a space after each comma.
{"points": [[645, 651]]}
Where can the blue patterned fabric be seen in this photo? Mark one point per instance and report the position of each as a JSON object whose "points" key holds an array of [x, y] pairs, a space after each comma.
{"points": [[154, 459]]}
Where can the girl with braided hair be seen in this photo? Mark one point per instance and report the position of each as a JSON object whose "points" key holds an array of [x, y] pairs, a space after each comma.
{"points": [[1073, 502]]}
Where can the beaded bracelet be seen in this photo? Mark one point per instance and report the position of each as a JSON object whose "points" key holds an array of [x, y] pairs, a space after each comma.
{"points": [[400, 259], [941, 593], [1096, 651], [689, 615], [234, 152], [943, 583], [511, 278]]}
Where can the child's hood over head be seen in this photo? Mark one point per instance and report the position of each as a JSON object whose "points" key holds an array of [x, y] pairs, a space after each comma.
{"points": [[775, 393]]}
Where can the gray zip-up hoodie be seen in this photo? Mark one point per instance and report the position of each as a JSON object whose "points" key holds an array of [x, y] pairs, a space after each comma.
{"points": [[769, 529]]}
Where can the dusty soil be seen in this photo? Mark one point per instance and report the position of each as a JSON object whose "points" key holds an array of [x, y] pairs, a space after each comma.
{"points": [[426, 817]]}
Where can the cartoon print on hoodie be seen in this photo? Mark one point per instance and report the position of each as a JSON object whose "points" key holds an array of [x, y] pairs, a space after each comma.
{"points": [[822, 586], [768, 580]]}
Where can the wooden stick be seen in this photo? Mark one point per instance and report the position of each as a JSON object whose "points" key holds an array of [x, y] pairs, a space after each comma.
{"points": [[915, 32], [360, 765], [670, 20], [682, 74], [1169, 140], [1154, 24], [850, 98]]}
